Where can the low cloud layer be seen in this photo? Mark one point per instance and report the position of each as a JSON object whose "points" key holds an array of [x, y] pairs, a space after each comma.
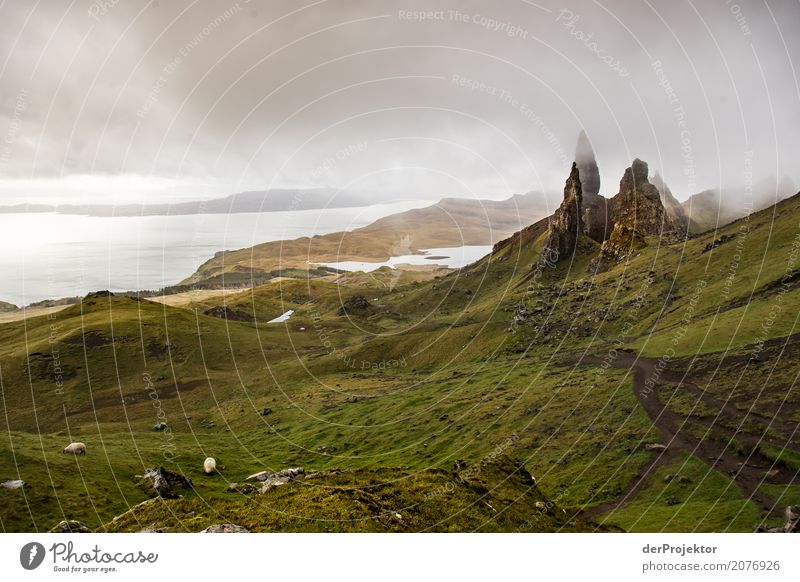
{"points": [[190, 99]]}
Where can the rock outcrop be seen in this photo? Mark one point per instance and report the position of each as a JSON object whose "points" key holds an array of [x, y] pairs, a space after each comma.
{"points": [[225, 528], [791, 522], [271, 479], [566, 224], [637, 213], [71, 526], [587, 165], [595, 211], [164, 482]]}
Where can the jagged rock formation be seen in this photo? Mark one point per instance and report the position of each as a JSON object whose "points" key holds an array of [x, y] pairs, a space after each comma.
{"points": [[675, 212], [637, 213], [595, 214], [587, 165], [566, 224]]}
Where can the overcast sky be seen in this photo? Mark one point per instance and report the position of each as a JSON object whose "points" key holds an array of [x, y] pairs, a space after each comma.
{"points": [[121, 100]]}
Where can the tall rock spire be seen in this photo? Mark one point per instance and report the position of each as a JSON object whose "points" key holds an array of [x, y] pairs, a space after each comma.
{"points": [[596, 215], [587, 165], [638, 214], [566, 224]]}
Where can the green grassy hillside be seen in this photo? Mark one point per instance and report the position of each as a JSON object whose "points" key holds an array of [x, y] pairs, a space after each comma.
{"points": [[392, 378]]}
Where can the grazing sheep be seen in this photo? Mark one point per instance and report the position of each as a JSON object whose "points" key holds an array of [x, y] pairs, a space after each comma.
{"points": [[74, 449], [209, 465]]}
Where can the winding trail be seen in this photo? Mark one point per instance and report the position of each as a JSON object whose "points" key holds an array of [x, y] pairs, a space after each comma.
{"points": [[747, 473]]}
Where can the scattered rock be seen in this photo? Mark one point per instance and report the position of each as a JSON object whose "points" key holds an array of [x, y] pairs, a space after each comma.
{"points": [[14, 484], [225, 312], [460, 464], [266, 412], [225, 528], [356, 304], [71, 526], [272, 479], [160, 426], [155, 530], [791, 523], [165, 482], [672, 500], [243, 488]]}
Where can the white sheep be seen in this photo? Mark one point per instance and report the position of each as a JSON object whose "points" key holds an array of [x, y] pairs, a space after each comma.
{"points": [[75, 449], [209, 465]]}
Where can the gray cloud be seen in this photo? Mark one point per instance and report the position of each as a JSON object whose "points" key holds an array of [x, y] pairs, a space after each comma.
{"points": [[403, 97]]}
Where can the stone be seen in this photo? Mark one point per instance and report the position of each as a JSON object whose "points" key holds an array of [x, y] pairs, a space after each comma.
{"points": [[243, 488], [14, 484], [71, 526], [164, 482], [266, 412], [225, 528], [658, 447], [672, 500], [160, 426], [460, 464]]}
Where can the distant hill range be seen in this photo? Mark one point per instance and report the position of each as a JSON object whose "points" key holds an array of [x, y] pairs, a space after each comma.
{"points": [[276, 200], [715, 208], [451, 222]]}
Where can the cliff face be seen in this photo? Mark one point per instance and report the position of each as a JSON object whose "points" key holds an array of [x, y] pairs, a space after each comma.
{"points": [[566, 224], [637, 213], [674, 211]]}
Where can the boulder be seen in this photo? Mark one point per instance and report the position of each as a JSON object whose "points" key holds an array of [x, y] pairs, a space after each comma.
{"points": [[225, 528], [14, 484], [164, 482], [160, 426], [70, 526]]}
